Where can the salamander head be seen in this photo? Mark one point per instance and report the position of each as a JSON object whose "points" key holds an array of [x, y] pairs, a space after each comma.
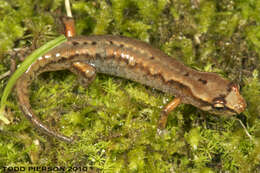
{"points": [[229, 104]]}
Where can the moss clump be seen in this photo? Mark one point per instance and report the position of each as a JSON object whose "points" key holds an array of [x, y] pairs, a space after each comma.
{"points": [[115, 119]]}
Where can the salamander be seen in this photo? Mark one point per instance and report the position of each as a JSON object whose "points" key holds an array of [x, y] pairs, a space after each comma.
{"points": [[137, 61]]}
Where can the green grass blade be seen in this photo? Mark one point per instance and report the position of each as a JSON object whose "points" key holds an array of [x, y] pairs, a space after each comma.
{"points": [[23, 67]]}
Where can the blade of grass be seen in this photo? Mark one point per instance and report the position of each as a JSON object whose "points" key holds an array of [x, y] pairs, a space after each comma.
{"points": [[23, 67]]}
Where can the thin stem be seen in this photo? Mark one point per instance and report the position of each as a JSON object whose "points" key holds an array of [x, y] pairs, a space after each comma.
{"points": [[67, 6], [247, 133]]}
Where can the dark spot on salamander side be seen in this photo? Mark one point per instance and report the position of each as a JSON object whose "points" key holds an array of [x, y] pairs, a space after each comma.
{"points": [[151, 58], [158, 76], [111, 42], [85, 43], [186, 74], [94, 43], [98, 55], [75, 43], [62, 60], [202, 81], [73, 56], [121, 45]]}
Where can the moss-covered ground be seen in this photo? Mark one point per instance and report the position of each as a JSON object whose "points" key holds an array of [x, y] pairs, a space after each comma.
{"points": [[115, 119]]}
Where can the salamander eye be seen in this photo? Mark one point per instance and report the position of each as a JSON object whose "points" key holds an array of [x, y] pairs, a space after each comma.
{"points": [[219, 103]]}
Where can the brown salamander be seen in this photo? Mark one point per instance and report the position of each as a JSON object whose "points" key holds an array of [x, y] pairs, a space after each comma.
{"points": [[137, 61]]}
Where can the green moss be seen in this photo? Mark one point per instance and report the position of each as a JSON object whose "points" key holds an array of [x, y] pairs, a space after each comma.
{"points": [[205, 16], [114, 119], [181, 43], [252, 90]]}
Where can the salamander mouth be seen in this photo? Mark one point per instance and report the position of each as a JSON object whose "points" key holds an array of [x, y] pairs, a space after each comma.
{"points": [[219, 110], [224, 110]]}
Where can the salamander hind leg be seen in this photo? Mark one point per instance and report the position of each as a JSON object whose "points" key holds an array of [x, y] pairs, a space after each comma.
{"points": [[165, 112], [84, 71]]}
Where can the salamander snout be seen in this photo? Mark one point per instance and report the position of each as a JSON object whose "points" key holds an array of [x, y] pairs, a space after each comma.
{"points": [[234, 100]]}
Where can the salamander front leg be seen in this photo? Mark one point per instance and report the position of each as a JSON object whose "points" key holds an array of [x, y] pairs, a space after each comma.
{"points": [[165, 112], [86, 72], [69, 26]]}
